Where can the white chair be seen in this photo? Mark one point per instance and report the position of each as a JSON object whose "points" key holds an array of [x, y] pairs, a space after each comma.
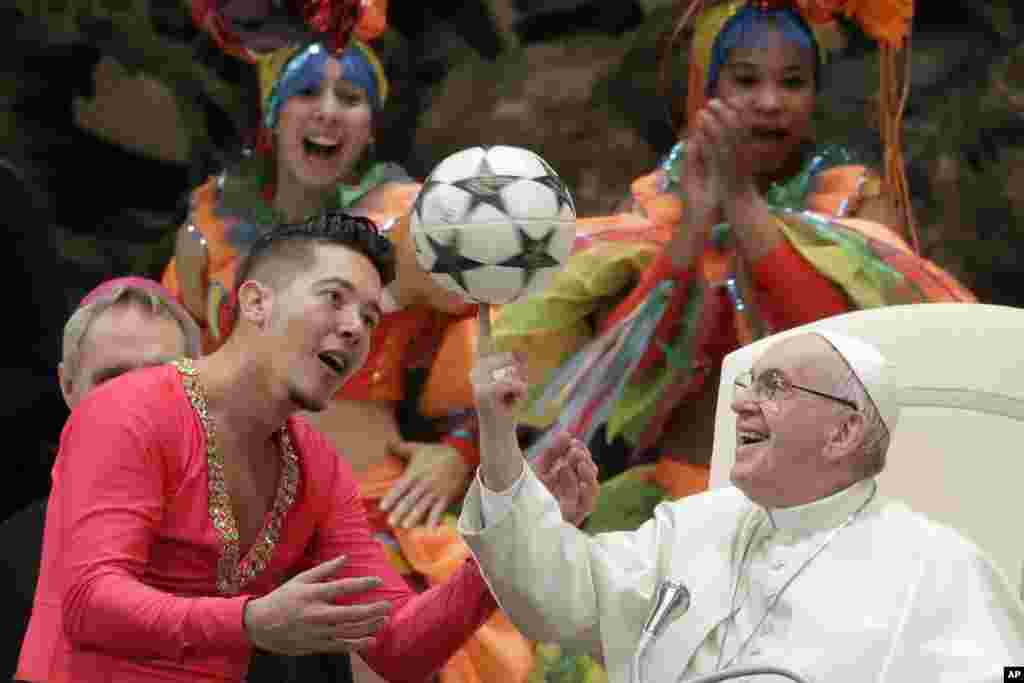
{"points": [[957, 453]]}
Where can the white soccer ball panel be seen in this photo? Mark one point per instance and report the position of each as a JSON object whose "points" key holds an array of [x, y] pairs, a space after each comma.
{"points": [[506, 160], [462, 164], [489, 238], [529, 200], [561, 243], [541, 279], [443, 204], [494, 284]]}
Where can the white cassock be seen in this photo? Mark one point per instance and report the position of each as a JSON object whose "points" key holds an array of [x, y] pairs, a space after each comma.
{"points": [[893, 597]]}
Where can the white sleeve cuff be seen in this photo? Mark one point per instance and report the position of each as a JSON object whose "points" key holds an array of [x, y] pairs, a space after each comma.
{"points": [[495, 505]]}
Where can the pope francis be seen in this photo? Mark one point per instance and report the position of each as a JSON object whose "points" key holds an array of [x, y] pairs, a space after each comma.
{"points": [[802, 564]]}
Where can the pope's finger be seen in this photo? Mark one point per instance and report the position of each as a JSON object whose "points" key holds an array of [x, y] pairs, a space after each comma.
{"points": [[507, 372], [513, 392], [483, 369], [560, 443], [567, 477], [485, 345], [587, 473]]}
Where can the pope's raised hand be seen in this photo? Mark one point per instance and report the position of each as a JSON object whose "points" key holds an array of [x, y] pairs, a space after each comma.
{"points": [[500, 388]]}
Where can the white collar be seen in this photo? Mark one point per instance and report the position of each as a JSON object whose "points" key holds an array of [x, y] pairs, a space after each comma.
{"points": [[823, 513]]}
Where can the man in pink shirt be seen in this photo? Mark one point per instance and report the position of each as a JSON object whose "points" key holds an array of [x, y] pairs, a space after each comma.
{"points": [[194, 515]]}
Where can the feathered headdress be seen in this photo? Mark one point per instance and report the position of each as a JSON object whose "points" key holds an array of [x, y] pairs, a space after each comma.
{"points": [[247, 28], [279, 36], [886, 21]]}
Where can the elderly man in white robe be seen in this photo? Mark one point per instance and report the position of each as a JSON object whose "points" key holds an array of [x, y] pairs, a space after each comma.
{"points": [[802, 564]]}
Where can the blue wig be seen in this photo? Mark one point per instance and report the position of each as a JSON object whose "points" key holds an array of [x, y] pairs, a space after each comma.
{"points": [[306, 70], [748, 28]]}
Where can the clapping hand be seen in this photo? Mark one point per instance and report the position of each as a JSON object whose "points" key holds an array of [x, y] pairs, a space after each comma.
{"points": [[722, 137], [301, 617]]}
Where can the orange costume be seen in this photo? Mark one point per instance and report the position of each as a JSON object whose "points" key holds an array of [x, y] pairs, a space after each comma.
{"points": [[622, 339]]}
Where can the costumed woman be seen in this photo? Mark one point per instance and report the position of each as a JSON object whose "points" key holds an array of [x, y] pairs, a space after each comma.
{"points": [[749, 226], [318, 109]]}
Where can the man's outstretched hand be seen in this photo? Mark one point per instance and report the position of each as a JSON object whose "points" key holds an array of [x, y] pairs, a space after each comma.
{"points": [[300, 617]]}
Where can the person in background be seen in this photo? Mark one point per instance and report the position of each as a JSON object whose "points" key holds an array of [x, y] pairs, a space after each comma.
{"points": [[122, 325], [625, 346]]}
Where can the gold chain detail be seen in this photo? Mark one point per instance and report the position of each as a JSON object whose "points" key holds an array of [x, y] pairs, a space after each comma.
{"points": [[234, 571]]}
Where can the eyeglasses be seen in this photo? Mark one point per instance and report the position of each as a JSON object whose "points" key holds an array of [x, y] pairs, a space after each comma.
{"points": [[771, 385]]}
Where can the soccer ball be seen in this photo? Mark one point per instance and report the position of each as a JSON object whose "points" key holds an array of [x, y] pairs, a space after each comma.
{"points": [[493, 223]]}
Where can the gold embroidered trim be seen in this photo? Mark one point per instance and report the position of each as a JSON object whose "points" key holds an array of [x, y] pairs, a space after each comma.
{"points": [[234, 571]]}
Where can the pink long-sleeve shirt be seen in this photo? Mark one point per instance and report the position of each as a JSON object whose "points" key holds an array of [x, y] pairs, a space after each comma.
{"points": [[128, 586]]}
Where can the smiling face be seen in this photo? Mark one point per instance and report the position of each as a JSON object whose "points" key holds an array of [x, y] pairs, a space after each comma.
{"points": [[323, 129], [318, 330], [773, 85], [122, 338], [794, 449]]}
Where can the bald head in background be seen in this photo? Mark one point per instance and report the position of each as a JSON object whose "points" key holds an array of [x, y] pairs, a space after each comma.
{"points": [[122, 325]]}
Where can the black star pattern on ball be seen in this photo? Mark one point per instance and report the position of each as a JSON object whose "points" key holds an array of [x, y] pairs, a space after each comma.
{"points": [[485, 187], [450, 260], [533, 254], [554, 184]]}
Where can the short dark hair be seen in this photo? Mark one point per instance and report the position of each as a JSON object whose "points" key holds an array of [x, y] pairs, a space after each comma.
{"points": [[293, 243]]}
